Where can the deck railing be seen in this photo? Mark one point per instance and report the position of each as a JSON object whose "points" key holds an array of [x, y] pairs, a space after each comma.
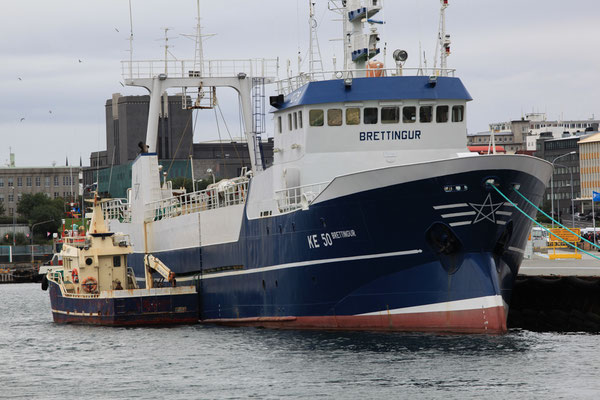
{"points": [[227, 194], [297, 197], [117, 209], [254, 67], [288, 85]]}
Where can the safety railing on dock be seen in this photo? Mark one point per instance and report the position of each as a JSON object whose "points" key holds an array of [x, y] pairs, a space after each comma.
{"points": [[297, 197], [288, 85], [225, 195], [254, 67]]}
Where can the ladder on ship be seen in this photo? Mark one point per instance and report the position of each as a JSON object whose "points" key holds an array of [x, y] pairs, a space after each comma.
{"points": [[258, 119]]}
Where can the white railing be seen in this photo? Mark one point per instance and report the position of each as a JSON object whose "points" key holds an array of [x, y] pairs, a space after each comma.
{"points": [[255, 67], [288, 85], [116, 209], [298, 197], [225, 195]]}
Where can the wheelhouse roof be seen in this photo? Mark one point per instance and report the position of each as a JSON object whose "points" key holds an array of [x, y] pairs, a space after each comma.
{"points": [[384, 89]]}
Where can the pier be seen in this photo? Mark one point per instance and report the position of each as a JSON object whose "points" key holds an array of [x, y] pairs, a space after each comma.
{"points": [[557, 295]]}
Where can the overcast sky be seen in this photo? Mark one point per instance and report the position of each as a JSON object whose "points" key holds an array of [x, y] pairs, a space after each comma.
{"points": [[513, 56]]}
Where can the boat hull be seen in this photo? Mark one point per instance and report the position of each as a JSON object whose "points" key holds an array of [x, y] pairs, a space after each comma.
{"points": [[131, 307], [376, 256]]}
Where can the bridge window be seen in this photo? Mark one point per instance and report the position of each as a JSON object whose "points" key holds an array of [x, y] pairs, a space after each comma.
{"points": [[390, 115], [295, 120], [300, 119], [334, 117], [441, 114], [279, 124], [352, 116], [370, 115], [425, 113], [458, 113], [290, 121], [409, 114], [316, 117]]}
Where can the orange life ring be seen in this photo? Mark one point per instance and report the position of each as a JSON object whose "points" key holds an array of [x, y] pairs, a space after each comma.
{"points": [[90, 284], [75, 275]]}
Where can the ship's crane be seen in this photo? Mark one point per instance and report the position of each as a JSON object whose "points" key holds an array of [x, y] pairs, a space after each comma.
{"points": [[153, 264]]}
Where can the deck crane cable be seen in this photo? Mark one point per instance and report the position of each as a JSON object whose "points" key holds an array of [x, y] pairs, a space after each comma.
{"points": [[540, 225], [237, 153], [219, 133], [180, 140]]}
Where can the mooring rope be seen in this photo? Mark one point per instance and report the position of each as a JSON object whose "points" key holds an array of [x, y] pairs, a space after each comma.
{"points": [[558, 223], [540, 225]]}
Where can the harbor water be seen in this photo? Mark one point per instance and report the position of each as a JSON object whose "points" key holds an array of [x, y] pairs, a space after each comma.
{"points": [[43, 360]]}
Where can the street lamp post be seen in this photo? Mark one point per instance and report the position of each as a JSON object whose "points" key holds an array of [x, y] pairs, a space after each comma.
{"points": [[552, 183], [31, 236]]}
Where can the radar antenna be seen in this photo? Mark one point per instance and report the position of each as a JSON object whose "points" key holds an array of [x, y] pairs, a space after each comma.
{"points": [[443, 43]]}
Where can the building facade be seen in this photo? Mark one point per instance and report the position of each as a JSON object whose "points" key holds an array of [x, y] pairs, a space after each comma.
{"points": [[55, 182]]}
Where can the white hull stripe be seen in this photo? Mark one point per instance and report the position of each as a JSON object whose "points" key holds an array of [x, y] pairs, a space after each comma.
{"points": [[312, 262], [459, 214], [477, 303], [446, 206], [76, 314], [507, 213], [461, 223]]}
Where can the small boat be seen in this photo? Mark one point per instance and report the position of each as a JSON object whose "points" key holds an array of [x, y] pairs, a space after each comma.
{"points": [[95, 286]]}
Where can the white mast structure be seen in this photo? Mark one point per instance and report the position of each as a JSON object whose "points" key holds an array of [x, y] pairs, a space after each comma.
{"points": [[315, 61], [443, 43]]}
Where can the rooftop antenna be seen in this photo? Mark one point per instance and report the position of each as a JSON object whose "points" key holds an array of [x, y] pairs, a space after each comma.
{"points": [[130, 41], [315, 63], [443, 43], [199, 48], [167, 46]]}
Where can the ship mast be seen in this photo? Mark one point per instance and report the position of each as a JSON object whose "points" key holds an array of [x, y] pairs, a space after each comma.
{"points": [[315, 62], [443, 44]]}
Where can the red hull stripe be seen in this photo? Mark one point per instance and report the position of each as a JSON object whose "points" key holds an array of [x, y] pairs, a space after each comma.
{"points": [[484, 320]]}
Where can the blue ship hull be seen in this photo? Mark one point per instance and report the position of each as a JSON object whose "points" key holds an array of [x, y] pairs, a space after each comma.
{"points": [[436, 254]]}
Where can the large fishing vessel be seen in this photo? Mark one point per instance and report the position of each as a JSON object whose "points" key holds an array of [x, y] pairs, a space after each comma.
{"points": [[374, 214]]}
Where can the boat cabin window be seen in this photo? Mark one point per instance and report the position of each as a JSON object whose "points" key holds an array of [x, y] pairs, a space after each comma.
{"points": [[295, 120], [409, 114], [289, 121], [334, 117], [441, 114], [352, 116], [300, 119], [316, 117], [279, 124], [117, 261], [425, 113], [370, 116], [390, 115], [458, 113]]}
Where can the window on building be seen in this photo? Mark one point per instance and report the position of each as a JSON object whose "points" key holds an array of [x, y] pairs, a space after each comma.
{"points": [[19, 197], [38, 181], [334, 117], [300, 119], [458, 113], [1, 198], [1, 182], [19, 181], [352, 116], [370, 115], [425, 113], [55, 180], [316, 117], [47, 181], [409, 114], [10, 182], [11, 211], [390, 115], [56, 195], [11, 197], [28, 181]]}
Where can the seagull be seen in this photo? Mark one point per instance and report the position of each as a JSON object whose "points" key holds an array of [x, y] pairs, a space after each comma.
{"points": [[20, 79], [116, 30], [80, 61], [122, 84], [22, 119], [50, 111]]}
